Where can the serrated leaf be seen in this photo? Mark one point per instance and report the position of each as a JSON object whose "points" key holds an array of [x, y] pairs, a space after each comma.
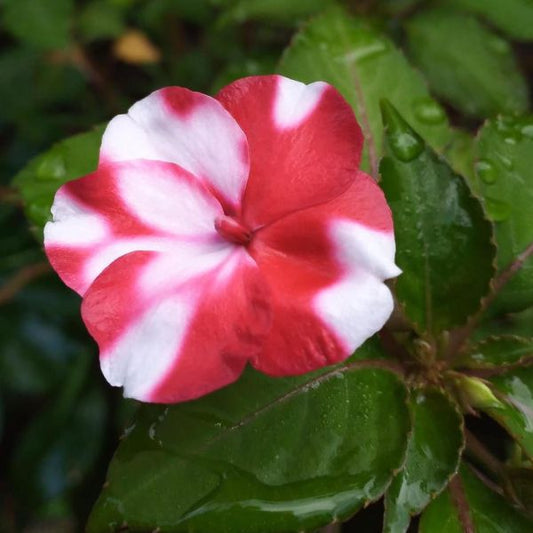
{"points": [[65, 161], [498, 351], [41, 24], [365, 67], [431, 459], [442, 237], [514, 17], [263, 455], [516, 414], [475, 70], [486, 511], [505, 160]]}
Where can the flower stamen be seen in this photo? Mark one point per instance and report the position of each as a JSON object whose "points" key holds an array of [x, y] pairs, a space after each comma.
{"points": [[232, 230]]}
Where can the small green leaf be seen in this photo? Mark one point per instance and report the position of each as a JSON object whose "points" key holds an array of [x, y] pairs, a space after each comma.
{"points": [[443, 239], [516, 415], [431, 459], [365, 67], [65, 161], [263, 455], [485, 510], [498, 351], [505, 160], [475, 70], [514, 17], [40, 24]]}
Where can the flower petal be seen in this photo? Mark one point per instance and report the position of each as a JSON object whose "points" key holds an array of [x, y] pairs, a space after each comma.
{"points": [[171, 327], [187, 128], [325, 267], [123, 207], [304, 141]]}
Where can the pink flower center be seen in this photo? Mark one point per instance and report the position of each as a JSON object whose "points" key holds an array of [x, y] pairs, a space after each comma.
{"points": [[232, 230]]}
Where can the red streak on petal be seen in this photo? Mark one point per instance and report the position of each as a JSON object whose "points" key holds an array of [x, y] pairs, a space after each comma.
{"points": [[232, 230]]}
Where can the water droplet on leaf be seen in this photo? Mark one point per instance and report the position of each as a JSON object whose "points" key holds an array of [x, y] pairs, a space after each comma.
{"points": [[406, 146], [498, 210], [429, 111], [486, 171], [52, 167], [527, 130], [506, 162]]}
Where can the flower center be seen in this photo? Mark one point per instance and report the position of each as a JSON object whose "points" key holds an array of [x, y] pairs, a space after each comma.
{"points": [[232, 230]]}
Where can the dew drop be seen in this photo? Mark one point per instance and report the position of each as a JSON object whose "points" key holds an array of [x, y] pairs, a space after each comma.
{"points": [[527, 130], [498, 210], [429, 111], [486, 171], [506, 162], [51, 168], [511, 139], [498, 45], [406, 146]]}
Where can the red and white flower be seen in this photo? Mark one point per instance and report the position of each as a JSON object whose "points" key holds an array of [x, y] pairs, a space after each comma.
{"points": [[227, 230]]}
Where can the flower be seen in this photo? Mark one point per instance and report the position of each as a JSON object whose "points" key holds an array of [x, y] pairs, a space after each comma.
{"points": [[227, 230]]}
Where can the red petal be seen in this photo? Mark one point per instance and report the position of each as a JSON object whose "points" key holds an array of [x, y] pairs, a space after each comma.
{"points": [[325, 266], [304, 142], [170, 340]]}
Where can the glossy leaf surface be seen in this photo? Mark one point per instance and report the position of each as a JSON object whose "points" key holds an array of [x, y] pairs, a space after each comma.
{"points": [[475, 70], [442, 237], [498, 351], [505, 160], [516, 391], [515, 17], [366, 67], [431, 458], [65, 161], [262, 455], [487, 511]]}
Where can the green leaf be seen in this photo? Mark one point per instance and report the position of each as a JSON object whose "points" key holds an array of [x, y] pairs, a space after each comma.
{"points": [[442, 237], [263, 455], [65, 161], [514, 17], [498, 351], [41, 24], [460, 153], [487, 511], [475, 70], [516, 415], [62, 442], [431, 459], [101, 20], [365, 67], [505, 160], [270, 10]]}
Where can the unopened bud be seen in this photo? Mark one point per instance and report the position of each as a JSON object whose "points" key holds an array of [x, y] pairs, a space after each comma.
{"points": [[478, 393]]}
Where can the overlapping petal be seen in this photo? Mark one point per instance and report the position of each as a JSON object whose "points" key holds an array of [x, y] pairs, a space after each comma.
{"points": [[217, 232], [304, 141], [187, 128], [325, 268], [125, 207], [175, 326]]}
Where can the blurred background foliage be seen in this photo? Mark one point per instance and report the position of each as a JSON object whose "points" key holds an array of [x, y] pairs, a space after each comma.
{"points": [[67, 65]]}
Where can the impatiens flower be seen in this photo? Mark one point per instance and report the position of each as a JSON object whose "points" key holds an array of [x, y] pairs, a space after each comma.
{"points": [[223, 231]]}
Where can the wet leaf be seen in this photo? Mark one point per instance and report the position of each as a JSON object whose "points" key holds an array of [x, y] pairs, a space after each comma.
{"points": [[431, 459], [516, 415], [498, 351], [488, 512], [65, 161], [443, 240], [366, 67], [504, 162], [263, 455], [475, 70]]}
